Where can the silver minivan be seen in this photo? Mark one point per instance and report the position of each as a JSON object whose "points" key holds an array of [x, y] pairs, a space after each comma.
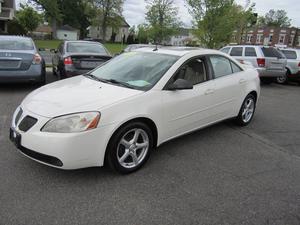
{"points": [[293, 66], [269, 62]]}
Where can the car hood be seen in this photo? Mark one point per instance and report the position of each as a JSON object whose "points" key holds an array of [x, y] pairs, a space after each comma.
{"points": [[73, 95]]}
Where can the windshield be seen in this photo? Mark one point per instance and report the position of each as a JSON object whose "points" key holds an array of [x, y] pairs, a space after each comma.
{"points": [[140, 70], [16, 44], [75, 47]]}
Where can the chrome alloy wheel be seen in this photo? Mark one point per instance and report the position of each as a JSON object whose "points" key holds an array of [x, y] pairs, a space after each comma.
{"points": [[248, 110], [133, 148], [281, 79]]}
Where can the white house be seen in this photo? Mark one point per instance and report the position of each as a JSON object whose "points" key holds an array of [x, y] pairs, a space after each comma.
{"points": [[7, 11], [184, 37], [67, 33], [114, 35]]}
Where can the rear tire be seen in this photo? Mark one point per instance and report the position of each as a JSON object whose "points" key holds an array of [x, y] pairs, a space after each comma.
{"points": [[129, 148], [283, 79], [247, 111]]}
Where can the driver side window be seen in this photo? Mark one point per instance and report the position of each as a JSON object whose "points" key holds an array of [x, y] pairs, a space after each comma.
{"points": [[193, 71]]}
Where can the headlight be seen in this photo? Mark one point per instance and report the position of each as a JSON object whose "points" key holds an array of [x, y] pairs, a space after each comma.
{"points": [[73, 123]]}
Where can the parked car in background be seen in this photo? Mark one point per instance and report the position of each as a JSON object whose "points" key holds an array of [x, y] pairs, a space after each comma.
{"points": [[293, 66], [78, 57], [20, 61], [132, 104], [269, 62]]}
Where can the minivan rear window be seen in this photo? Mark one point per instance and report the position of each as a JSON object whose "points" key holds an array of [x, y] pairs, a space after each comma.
{"points": [[289, 54], [236, 51], [249, 51], [272, 52]]}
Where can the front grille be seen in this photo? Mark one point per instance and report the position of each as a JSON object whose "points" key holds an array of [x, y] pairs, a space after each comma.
{"points": [[27, 123], [41, 157], [18, 116]]}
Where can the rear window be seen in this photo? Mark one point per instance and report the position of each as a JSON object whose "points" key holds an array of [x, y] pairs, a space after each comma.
{"points": [[236, 51], [272, 52], [16, 44], [81, 47], [289, 54], [249, 51]]}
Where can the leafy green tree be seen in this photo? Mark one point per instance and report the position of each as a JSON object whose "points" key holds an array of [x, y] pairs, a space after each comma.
{"points": [[108, 14], [143, 34], [215, 21], [162, 19], [15, 28], [52, 12], [28, 18], [276, 18]]}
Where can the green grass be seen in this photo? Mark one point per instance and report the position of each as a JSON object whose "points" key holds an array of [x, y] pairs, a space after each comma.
{"points": [[53, 44]]}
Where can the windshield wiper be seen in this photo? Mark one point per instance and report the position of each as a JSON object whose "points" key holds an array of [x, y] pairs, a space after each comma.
{"points": [[113, 81], [91, 76]]}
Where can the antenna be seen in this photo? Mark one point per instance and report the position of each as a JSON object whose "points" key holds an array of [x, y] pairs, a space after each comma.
{"points": [[156, 47]]}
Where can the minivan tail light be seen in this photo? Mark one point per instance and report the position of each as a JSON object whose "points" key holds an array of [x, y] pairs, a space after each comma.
{"points": [[261, 62], [68, 61], [37, 59]]}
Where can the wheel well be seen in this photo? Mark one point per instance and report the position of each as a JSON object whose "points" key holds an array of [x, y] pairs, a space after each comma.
{"points": [[288, 70], [146, 121], [254, 93]]}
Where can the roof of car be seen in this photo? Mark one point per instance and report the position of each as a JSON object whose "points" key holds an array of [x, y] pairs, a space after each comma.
{"points": [[13, 37], [178, 51]]}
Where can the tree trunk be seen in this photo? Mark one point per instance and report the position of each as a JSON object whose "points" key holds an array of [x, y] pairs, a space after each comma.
{"points": [[54, 28]]}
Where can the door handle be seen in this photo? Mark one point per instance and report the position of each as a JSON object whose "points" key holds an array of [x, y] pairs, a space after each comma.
{"points": [[242, 81], [209, 91]]}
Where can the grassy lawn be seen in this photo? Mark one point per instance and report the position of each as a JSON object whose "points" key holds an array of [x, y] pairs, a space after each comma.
{"points": [[53, 44]]}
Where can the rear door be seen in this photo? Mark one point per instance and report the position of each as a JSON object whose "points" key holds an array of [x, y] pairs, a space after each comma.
{"points": [[275, 60], [237, 53]]}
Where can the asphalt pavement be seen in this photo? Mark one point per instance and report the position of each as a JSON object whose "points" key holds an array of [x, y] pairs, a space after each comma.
{"points": [[223, 174]]}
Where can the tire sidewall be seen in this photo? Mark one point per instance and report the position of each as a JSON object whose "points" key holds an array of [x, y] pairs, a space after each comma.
{"points": [[239, 119], [111, 152]]}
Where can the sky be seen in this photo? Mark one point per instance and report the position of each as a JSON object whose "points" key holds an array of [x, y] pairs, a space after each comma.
{"points": [[134, 10]]}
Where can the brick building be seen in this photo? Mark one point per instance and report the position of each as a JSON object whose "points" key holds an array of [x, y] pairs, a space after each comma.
{"points": [[287, 37]]}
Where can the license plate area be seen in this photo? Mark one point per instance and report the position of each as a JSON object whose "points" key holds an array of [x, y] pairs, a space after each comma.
{"points": [[89, 64], [15, 137]]}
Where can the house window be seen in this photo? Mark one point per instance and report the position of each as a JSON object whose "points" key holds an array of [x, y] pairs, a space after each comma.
{"points": [[291, 40], [249, 37], [281, 38], [259, 38], [271, 38]]}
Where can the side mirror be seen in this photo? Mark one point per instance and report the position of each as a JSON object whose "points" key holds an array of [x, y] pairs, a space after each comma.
{"points": [[181, 84]]}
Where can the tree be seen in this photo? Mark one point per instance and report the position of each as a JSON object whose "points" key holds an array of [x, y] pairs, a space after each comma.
{"points": [[142, 34], [276, 18], [52, 11], [109, 14], [162, 19], [215, 20], [28, 18]]}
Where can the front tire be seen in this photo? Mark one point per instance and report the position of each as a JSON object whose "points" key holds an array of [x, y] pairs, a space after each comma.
{"points": [[247, 111], [129, 148]]}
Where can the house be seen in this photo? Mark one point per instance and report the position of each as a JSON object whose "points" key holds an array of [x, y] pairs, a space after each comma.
{"points": [[43, 31], [7, 12], [67, 33], [182, 38], [115, 35], [272, 36]]}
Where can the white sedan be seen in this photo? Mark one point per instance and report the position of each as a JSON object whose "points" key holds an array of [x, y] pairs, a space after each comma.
{"points": [[118, 113]]}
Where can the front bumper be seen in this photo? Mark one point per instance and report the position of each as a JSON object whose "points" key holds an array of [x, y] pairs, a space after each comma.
{"points": [[65, 151], [270, 73], [34, 74]]}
